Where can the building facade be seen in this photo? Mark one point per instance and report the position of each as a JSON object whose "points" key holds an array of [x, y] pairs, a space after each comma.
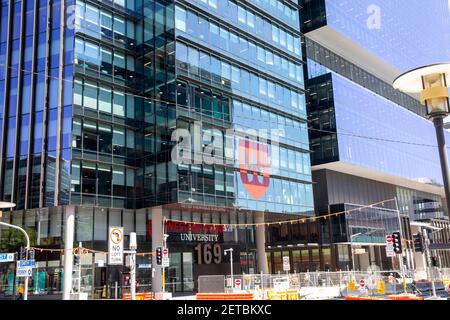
{"points": [[159, 116], [369, 142]]}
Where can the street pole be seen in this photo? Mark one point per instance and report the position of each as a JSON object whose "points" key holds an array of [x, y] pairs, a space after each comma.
{"points": [[165, 236], [80, 251], [25, 294], [402, 267], [427, 253], [353, 259], [231, 265], [133, 274], [133, 248], [439, 126]]}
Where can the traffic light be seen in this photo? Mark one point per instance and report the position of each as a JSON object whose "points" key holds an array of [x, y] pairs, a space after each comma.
{"points": [[31, 254], [23, 253], [159, 256], [76, 260], [418, 243], [397, 242], [434, 261]]}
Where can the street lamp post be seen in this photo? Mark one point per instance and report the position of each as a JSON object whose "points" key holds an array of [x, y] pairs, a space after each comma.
{"points": [[432, 83]]}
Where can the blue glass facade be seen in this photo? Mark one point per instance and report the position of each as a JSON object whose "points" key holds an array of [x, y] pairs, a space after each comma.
{"points": [[404, 35], [394, 140], [91, 95], [233, 49]]}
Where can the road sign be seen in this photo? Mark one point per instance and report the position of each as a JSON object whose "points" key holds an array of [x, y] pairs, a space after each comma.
{"points": [[381, 287], [390, 246], [237, 283], [24, 272], [286, 264], [26, 263], [165, 262], [115, 246], [362, 283], [165, 258], [351, 286], [6, 257]]}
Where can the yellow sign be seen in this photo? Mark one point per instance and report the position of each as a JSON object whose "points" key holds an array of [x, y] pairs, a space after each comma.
{"points": [[381, 287], [351, 286]]}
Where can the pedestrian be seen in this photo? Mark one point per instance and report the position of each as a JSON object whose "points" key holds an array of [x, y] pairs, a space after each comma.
{"points": [[414, 286], [20, 291]]}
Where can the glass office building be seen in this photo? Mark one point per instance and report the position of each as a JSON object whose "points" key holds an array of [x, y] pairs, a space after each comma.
{"points": [[92, 94], [370, 142]]}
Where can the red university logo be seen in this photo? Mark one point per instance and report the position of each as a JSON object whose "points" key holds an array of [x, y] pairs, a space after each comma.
{"points": [[254, 157]]}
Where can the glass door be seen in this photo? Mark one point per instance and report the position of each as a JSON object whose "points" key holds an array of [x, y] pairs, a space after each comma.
{"points": [[188, 272]]}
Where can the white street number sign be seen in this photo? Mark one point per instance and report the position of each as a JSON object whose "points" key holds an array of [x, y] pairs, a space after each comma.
{"points": [[115, 246], [390, 246]]}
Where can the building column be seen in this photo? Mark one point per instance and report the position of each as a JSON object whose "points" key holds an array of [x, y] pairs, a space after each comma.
{"points": [[69, 230], [261, 243], [157, 241]]}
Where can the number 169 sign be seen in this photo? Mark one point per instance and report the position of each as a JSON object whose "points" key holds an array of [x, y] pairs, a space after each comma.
{"points": [[115, 246]]}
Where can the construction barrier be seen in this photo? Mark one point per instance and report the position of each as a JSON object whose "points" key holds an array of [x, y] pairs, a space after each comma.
{"points": [[361, 298], [139, 296], [405, 297], [283, 295], [225, 296]]}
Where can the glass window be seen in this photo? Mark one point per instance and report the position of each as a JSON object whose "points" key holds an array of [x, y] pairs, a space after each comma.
{"points": [[105, 99], [119, 103], [241, 14], [180, 18], [90, 95]]}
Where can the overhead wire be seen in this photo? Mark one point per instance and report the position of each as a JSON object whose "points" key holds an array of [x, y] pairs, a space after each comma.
{"points": [[154, 99]]}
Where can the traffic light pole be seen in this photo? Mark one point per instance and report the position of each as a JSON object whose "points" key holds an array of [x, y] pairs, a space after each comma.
{"points": [[401, 238], [25, 294], [427, 253]]}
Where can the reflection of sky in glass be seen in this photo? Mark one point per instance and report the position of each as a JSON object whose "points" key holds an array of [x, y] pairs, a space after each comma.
{"points": [[370, 225], [411, 33], [361, 112]]}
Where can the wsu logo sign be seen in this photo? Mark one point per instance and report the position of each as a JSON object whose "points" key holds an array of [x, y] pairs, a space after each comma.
{"points": [[245, 149], [254, 167]]}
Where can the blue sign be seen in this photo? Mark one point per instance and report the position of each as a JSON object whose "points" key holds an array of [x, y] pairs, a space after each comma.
{"points": [[6, 257], [24, 272], [144, 266], [26, 263]]}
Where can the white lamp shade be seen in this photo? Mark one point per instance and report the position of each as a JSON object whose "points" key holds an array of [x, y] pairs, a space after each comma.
{"points": [[411, 81]]}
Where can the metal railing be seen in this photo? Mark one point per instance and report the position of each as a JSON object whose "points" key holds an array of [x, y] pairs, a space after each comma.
{"points": [[384, 282]]}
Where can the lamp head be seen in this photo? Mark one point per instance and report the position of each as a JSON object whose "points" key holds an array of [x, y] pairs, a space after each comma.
{"points": [[432, 83]]}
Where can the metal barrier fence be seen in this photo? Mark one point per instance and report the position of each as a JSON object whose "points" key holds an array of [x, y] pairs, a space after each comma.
{"points": [[335, 284]]}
